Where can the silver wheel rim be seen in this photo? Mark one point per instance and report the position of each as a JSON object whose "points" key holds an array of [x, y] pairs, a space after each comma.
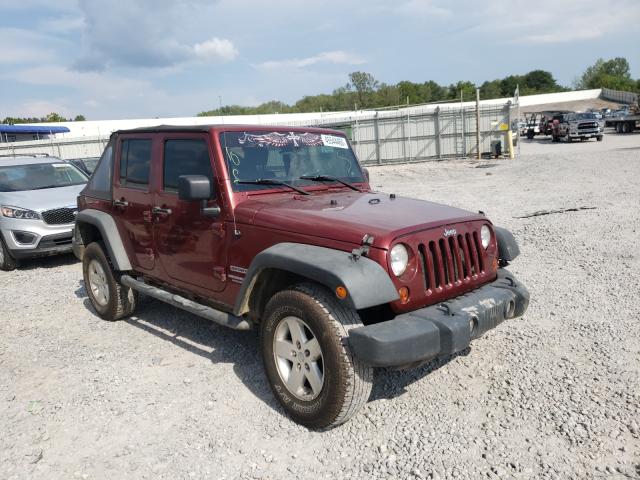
{"points": [[1, 253], [298, 358], [98, 283]]}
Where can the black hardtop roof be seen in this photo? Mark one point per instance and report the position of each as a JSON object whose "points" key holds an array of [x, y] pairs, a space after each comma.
{"points": [[221, 127]]}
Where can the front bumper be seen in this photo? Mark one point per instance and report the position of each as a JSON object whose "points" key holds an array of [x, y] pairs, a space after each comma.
{"points": [[441, 329], [34, 238]]}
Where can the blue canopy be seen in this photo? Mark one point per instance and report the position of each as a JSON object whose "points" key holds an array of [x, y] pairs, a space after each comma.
{"points": [[31, 129]]}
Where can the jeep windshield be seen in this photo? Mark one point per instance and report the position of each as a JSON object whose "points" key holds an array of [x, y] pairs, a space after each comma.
{"points": [[286, 157], [38, 176]]}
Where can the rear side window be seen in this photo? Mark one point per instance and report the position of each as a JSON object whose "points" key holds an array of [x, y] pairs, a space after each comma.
{"points": [[135, 160], [185, 157], [100, 183]]}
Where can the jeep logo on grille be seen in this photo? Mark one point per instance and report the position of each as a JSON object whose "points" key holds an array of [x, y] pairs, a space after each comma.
{"points": [[449, 232]]}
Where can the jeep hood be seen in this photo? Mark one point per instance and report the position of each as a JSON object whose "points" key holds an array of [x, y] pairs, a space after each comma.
{"points": [[348, 216]]}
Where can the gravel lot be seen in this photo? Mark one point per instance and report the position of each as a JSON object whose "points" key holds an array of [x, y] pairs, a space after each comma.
{"points": [[165, 394]]}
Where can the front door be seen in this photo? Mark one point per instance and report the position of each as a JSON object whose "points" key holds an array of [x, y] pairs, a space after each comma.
{"points": [[190, 246], [132, 198]]}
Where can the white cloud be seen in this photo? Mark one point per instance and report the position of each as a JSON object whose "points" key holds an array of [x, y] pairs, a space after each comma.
{"points": [[421, 8], [215, 49], [337, 57], [138, 36], [554, 21], [23, 46], [65, 24]]}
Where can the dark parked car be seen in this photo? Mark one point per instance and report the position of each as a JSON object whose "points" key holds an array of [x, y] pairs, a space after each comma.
{"points": [[87, 165], [277, 229]]}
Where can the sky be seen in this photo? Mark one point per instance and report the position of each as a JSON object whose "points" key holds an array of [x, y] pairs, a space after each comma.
{"points": [[166, 58]]}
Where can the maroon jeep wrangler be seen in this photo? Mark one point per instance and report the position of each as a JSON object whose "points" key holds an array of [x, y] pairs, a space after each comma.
{"points": [[277, 229]]}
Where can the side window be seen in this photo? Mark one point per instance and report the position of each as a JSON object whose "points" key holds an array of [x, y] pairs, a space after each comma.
{"points": [[101, 179], [185, 157], [135, 160]]}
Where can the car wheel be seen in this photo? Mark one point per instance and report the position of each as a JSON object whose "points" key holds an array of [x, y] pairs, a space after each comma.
{"points": [[314, 376], [569, 139], [530, 135], [619, 127], [599, 138], [7, 262], [110, 300]]}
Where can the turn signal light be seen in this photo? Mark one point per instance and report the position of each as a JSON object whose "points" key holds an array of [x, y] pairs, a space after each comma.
{"points": [[341, 292], [404, 294]]}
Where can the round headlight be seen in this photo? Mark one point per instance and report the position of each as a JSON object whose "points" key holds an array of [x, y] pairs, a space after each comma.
{"points": [[399, 259], [485, 236]]}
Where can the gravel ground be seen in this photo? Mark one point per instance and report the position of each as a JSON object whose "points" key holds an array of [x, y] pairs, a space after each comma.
{"points": [[165, 394]]}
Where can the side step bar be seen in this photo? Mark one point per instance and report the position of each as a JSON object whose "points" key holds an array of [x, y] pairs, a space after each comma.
{"points": [[221, 318]]}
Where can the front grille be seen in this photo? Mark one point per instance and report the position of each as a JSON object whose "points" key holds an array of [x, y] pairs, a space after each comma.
{"points": [[450, 261], [589, 125], [60, 216]]}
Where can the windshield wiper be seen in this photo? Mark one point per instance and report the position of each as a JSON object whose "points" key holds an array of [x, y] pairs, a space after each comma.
{"points": [[267, 181], [329, 178], [46, 186]]}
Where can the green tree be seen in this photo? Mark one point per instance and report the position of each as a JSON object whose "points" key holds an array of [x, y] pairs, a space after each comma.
{"points": [[79, 118], [540, 81], [54, 117], [490, 89], [614, 74], [364, 85]]}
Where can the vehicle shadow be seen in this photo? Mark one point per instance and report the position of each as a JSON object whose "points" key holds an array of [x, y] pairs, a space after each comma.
{"points": [[203, 338], [53, 261], [223, 345], [389, 383]]}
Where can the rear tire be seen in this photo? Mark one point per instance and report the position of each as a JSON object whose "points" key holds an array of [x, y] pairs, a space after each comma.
{"points": [[110, 300], [599, 138], [324, 385], [7, 262]]}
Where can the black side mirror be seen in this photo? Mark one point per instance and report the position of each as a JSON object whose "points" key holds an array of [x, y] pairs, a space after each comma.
{"points": [[194, 187], [197, 187]]}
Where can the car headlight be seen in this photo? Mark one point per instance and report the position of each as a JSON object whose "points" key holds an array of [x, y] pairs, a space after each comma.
{"points": [[13, 212], [399, 259], [485, 236]]}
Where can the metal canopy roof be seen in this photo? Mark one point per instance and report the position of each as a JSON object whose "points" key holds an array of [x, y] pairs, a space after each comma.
{"points": [[31, 129]]}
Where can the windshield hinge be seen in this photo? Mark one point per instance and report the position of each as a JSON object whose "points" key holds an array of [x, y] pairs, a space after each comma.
{"points": [[363, 250]]}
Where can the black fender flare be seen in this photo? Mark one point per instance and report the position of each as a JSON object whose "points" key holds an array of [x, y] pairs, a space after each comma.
{"points": [[106, 225], [367, 283], [508, 248]]}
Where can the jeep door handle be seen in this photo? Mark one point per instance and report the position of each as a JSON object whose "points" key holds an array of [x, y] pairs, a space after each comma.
{"points": [[161, 211], [120, 203]]}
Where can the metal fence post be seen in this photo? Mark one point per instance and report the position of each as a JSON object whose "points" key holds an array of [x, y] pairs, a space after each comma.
{"points": [[409, 131], [464, 136], [436, 124], [478, 123], [376, 129]]}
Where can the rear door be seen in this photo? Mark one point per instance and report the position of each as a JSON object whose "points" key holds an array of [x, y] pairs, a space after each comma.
{"points": [[190, 245], [132, 198]]}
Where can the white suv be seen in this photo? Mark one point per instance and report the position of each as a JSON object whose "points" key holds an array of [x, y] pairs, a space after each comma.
{"points": [[38, 197]]}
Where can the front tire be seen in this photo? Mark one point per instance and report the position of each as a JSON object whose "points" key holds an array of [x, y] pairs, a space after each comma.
{"points": [[311, 371], [110, 300], [7, 262]]}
